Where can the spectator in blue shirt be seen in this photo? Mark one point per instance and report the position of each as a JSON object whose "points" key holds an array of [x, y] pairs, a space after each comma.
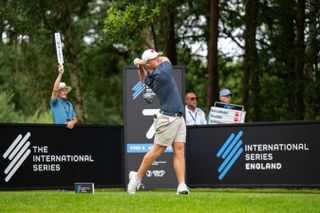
{"points": [[62, 109]]}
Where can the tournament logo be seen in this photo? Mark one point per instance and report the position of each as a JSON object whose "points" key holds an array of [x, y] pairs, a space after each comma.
{"points": [[17, 153], [137, 89], [229, 152]]}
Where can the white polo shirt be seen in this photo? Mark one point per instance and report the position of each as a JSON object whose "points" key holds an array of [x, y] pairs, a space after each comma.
{"points": [[196, 117]]}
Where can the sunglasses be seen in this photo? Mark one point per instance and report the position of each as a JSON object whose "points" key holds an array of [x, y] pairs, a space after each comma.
{"points": [[193, 98]]}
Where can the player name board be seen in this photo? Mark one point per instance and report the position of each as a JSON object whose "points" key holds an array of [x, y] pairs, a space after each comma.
{"points": [[222, 113]]}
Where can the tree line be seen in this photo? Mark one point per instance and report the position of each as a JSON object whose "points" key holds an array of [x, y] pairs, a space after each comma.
{"points": [[274, 73]]}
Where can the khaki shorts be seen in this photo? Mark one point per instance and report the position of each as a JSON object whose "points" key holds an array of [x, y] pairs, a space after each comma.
{"points": [[169, 129]]}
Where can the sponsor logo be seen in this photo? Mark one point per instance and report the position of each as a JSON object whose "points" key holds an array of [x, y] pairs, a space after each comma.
{"points": [[78, 189], [137, 89], [17, 153], [155, 173], [229, 152]]}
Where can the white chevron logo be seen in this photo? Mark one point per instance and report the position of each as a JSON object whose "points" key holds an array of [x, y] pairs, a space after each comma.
{"points": [[17, 153]]}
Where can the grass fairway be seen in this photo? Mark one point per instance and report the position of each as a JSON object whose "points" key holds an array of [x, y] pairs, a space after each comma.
{"points": [[200, 200]]}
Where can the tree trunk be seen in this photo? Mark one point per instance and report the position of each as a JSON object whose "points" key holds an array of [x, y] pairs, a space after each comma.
{"points": [[251, 60], [148, 34], [71, 57], [213, 54], [311, 92], [282, 46], [299, 61], [2, 4], [170, 45]]}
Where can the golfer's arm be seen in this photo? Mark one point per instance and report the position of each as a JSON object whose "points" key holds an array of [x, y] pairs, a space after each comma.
{"points": [[55, 90], [142, 73]]}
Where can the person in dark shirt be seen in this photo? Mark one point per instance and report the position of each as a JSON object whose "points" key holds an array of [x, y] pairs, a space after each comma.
{"points": [[169, 125]]}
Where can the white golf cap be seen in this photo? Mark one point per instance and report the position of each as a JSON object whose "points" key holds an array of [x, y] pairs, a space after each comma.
{"points": [[150, 54]]}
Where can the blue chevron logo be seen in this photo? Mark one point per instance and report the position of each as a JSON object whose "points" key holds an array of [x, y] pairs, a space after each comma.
{"points": [[229, 152], [137, 89]]}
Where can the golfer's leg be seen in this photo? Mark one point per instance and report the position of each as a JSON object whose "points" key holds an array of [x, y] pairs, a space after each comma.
{"points": [[148, 159], [179, 161]]}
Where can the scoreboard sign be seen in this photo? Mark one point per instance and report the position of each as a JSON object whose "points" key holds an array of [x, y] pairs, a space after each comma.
{"points": [[222, 113]]}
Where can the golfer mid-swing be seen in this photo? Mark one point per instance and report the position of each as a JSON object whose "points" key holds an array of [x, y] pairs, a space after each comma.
{"points": [[169, 124]]}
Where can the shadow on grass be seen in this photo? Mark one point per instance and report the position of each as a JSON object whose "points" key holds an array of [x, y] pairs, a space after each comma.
{"points": [[260, 190], [246, 190]]}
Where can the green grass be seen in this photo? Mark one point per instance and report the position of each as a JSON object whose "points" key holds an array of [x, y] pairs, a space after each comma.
{"points": [[200, 200]]}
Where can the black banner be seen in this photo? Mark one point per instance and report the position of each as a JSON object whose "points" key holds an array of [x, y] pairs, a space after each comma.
{"points": [[253, 155], [52, 156], [270, 154]]}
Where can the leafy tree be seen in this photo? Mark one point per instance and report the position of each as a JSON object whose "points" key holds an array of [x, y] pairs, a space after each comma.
{"points": [[8, 113], [275, 73]]}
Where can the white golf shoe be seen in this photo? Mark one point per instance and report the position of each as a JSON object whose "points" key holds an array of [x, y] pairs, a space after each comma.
{"points": [[182, 189], [133, 184]]}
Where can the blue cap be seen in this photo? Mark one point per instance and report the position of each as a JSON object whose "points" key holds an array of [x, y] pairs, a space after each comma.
{"points": [[225, 92]]}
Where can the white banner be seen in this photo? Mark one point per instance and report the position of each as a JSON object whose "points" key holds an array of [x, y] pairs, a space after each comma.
{"points": [[58, 48]]}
